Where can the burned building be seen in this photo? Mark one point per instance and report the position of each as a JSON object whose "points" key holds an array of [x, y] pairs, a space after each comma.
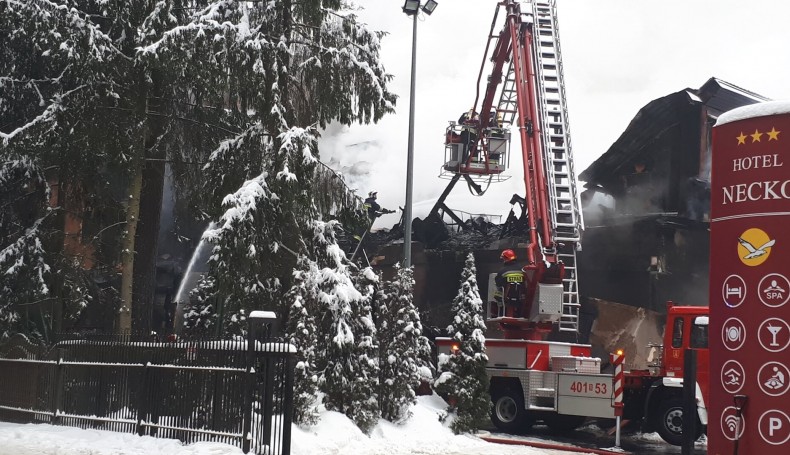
{"points": [[646, 209], [647, 202]]}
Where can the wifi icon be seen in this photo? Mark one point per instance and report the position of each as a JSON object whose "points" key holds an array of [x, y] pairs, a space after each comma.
{"points": [[731, 423]]}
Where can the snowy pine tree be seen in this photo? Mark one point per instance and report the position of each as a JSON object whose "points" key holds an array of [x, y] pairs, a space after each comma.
{"points": [[404, 351], [28, 288], [366, 389], [102, 91], [463, 378], [297, 67], [200, 316], [347, 361], [302, 332]]}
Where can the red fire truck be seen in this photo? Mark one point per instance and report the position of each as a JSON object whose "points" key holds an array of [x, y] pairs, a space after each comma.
{"points": [[560, 385], [532, 379]]}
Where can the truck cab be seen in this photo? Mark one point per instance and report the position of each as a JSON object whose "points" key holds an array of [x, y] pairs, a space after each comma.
{"points": [[687, 328], [662, 387]]}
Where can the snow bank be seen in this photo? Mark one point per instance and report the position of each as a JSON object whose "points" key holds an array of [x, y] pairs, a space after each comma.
{"points": [[335, 434], [43, 439], [422, 434]]}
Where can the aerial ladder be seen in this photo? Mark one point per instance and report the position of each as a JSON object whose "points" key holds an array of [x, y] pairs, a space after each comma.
{"points": [[525, 91]]}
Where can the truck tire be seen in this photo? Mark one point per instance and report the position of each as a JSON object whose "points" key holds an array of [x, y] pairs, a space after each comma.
{"points": [[669, 421], [508, 413]]}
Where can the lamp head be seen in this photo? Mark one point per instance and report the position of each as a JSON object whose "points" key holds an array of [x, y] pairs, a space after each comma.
{"points": [[411, 7], [429, 6]]}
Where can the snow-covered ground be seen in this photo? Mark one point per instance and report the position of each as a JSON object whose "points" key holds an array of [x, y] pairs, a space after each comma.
{"points": [[423, 434]]}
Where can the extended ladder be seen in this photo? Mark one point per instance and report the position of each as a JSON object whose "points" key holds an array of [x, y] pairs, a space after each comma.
{"points": [[569, 321], [564, 199], [565, 207], [508, 103]]}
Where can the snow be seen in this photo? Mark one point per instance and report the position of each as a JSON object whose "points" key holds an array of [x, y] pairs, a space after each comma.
{"points": [[754, 110], [44, 439], [334, 434], [258, 314]]}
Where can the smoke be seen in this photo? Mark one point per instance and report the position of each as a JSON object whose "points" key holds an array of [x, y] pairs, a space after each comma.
{"points": [[597, 206], [351, 159]]}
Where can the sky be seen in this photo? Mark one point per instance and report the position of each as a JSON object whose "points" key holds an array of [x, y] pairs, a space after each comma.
{"points": [[618, 56], [334, 434]]}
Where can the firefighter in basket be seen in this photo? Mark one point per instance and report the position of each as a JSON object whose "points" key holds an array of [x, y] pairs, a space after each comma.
{"points": [[510, 285]]}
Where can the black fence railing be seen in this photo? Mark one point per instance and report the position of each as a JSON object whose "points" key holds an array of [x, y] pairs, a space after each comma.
{"points": [[236, 392]]}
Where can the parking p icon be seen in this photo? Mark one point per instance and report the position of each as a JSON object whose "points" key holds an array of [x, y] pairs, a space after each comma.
{"points": [[774, 426]]}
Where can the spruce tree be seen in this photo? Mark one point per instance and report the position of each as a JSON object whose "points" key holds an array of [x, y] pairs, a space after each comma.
{"points": [[347, 360], [56, 91], [199, 313], [298, 66], [366, 388], [96, 91], [463, 378], [404, 351], [302, 332]]}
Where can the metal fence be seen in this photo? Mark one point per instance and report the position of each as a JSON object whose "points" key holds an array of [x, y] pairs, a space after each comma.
{"points": [[237, 392]]}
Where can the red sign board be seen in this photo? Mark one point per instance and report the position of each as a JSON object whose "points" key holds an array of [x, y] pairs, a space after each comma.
{"points": [[750, 282]]}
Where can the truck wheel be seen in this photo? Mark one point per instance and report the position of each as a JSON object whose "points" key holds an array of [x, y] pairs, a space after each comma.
{"points": [[508, 413], [670, 421]]}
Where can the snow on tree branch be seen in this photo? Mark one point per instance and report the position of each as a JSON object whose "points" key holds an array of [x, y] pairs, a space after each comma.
{"points": [[98, 42], [241, 205], [47, 116]]}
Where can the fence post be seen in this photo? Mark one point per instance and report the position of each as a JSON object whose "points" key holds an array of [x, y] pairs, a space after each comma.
{"points": [[256, 319], [142, 401], [288, 401], [249, 377], [58, 389]]}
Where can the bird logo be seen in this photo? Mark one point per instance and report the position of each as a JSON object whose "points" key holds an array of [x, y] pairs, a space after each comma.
{"points": [[750, 254], [755, 252]]}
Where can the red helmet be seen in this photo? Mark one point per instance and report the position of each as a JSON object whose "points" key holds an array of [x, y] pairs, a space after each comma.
{"points": [[508, 255]]}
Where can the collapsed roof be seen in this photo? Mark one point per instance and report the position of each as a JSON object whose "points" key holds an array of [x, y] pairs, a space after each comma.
{"points": [[636, 143]]}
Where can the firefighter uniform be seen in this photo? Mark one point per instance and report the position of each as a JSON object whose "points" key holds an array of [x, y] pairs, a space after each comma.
{"points": [[510, 288], [469, 123]]}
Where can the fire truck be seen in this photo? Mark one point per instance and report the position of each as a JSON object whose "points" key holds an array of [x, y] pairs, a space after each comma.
{"points": [[533, 379]]}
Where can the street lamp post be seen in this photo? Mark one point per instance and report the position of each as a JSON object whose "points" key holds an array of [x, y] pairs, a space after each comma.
{"points": [[412, 8]]}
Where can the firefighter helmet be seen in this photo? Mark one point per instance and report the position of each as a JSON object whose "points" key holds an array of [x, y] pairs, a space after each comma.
{"points": [[508, 255]]}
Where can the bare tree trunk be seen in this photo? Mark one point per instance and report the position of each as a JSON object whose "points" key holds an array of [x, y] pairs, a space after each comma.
{"points": [[124, 317], [147, 243], [60, 222]]}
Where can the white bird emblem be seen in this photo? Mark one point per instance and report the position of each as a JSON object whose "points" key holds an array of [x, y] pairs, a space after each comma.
{"points": [[755, 252]]}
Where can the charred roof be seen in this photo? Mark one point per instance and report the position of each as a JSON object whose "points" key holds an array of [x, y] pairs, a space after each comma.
{"points": [[660, 115]]}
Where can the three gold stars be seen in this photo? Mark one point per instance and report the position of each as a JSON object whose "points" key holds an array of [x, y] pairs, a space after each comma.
{"points": [[773, 135]]}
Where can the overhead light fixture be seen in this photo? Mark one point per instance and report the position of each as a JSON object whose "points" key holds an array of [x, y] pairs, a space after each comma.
{"points": [[429, 6], [411, 7]]}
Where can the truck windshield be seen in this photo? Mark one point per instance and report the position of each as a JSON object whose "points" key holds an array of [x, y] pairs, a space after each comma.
{"points": [[699, 336]]}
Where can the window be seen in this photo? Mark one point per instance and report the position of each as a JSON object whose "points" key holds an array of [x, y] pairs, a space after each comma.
{"points": [[677, 333], [699, 336]]}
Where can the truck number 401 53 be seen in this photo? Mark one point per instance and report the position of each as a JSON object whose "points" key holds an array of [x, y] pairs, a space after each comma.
{"points": [[589, 387]]}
